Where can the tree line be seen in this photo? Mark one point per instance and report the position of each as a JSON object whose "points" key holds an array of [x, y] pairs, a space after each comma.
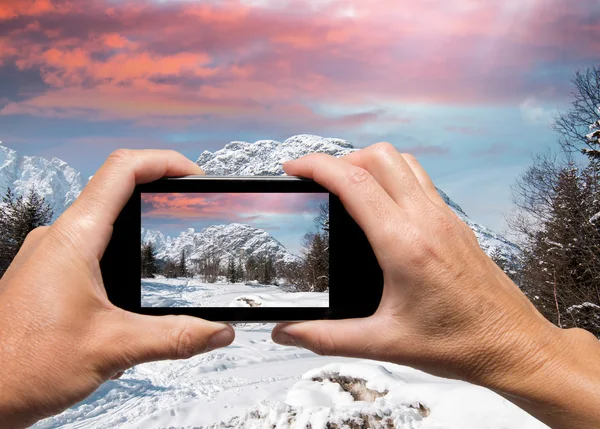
{"points": [[309, 273], [556, 216]]}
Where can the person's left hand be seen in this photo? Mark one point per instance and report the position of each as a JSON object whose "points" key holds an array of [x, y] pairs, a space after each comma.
{"points": [[60, 337]]}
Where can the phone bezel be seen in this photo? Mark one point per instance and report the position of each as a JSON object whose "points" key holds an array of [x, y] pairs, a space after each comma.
{"points": [[355, 277]]}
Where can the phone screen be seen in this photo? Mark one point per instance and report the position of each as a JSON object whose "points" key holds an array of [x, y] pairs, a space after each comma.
{"points": [[250, 250]]}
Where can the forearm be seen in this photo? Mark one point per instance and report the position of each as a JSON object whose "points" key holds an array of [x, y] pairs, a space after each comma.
{"points": [[558, 380]]}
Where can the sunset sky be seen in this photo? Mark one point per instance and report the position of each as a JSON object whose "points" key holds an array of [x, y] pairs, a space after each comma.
{"points": [[287, 217], [468, 86]]}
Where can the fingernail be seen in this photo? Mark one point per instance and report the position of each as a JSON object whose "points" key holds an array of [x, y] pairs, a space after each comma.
{"points": [[284, 339], [221, 339]]}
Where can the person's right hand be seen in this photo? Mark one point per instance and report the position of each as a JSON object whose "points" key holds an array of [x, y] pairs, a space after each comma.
{"points": [[447, 308]]}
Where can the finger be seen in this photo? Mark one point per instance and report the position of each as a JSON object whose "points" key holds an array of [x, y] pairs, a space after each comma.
{"points": [[350, 337], [424, 180], [130, 339], [364, 199], [91, 216], [391, 171]]}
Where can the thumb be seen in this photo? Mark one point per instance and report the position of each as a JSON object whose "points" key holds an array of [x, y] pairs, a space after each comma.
{"points": [[349, 337], [140, 338]]}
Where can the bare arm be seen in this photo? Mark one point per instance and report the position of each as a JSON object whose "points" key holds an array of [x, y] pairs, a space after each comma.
{"points": [[447, 308]]}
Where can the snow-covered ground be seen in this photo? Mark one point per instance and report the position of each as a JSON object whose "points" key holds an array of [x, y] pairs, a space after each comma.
{"points": [[255, 383], [194, 293]]}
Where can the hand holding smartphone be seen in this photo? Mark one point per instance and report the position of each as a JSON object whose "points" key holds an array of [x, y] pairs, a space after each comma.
{"points": [[257, 248]]}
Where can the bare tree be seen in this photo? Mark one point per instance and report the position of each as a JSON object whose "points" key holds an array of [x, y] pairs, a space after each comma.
{"points": [[573, 125]]}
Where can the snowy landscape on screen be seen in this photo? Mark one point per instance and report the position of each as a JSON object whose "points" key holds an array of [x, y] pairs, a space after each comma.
{"points": [[195, 293], [255, 383], [235, 264]]}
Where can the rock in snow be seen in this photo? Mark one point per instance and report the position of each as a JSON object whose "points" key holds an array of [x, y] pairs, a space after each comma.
{"points": [[236, 240], [53, 179]]}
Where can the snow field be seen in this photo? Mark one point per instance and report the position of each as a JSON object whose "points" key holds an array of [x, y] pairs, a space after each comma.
{"points": [[255, 383], [194, 293]]}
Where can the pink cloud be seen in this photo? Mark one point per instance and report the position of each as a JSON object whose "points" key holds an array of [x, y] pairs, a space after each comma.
{"points": [[143, 60], [233, 207]]}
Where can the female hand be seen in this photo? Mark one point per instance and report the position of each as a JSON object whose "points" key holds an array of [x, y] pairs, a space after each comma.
{"points": [[60, 337], [446, 308]]}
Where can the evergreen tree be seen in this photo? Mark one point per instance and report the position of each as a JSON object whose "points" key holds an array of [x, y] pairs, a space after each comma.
{"points": [[148, 265], [232, 272], [317, 261], [562, 261], [252, 269], [170, 270], [18, 217], [181, 266]]}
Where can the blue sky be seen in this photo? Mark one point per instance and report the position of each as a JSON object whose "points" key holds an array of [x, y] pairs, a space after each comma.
{"points": [[287, 217], [470, 88]]}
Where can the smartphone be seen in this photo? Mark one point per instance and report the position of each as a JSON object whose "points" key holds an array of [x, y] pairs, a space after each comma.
{"points": [[240, 249]]}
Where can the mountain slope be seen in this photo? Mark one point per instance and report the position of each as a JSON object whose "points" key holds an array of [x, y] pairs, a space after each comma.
{"points": [[266, 157], [53, 179], [225, 240]]}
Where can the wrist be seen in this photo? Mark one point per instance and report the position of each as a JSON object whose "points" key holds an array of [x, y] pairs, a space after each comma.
{"points": [[553, 374]]}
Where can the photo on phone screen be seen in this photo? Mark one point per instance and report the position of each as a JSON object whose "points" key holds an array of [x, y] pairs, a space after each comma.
{"points": [[251, 250]]}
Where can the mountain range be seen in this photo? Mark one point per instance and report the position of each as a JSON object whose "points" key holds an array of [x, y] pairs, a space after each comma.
{"points": [[52, 179], [232, 240], [60, 184], [266, 157]]}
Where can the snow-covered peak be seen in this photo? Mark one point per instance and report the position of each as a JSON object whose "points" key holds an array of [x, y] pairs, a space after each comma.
{"points": [[52, 179], [266, 157], [231, 240]]}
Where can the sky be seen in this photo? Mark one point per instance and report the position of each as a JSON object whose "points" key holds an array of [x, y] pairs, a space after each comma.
{"points": [[287, 217], [469, 87]]}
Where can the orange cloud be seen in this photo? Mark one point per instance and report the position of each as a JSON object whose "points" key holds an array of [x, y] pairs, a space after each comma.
{"points": [[148, 60]]}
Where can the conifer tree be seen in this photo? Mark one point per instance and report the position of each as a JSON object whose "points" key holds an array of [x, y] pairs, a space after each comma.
{"points": [[181, 266], [18, 217], [149, 268], [232, 271]]}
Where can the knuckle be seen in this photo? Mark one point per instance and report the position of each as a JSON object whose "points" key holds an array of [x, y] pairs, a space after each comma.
{"points": [[325, 346], [410, 157], [120, 156], [357, 175], [422, 250], [182, 343], [385, 148]]}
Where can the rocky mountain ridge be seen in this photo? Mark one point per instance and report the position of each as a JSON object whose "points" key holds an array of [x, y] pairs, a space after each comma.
{"points": [[232, 240]]}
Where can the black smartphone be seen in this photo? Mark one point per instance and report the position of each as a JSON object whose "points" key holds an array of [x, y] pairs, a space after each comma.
{"points": [[240, 249]]}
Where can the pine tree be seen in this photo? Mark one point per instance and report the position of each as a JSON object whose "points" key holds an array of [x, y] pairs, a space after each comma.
{"points": [[562, 263], [317, 262], [18, 217], [266, 268], [170, 270], [148, 265], [251, 269], [181, 267], [497, 256], [232, 271]]}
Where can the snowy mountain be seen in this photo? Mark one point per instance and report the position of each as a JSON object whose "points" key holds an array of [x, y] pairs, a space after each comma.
{"points": [[234, 239], [266, 157], [53, 179]]}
